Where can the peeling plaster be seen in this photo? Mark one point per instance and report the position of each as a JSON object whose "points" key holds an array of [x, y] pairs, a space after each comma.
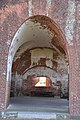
{"points": [[36, 54], [52, 74], [33, 33], [69, 30], [38, 57], [40, 71]]}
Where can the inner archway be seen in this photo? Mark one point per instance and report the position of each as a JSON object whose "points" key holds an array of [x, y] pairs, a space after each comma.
{"points": [[38, 50]]}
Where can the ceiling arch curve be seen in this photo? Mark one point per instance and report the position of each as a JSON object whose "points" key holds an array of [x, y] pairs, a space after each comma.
{"points": [[37, 31]]}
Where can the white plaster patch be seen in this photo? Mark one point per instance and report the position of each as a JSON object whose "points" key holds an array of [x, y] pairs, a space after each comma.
{"points": [[41, 71], [69, 30], [4, 74], [48, 6], [36, 54], [8, 42], [35, 34], [30, 8]]}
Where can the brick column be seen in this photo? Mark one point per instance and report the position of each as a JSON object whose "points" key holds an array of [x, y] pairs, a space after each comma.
{"points": [[2, 81], [74, 88]]}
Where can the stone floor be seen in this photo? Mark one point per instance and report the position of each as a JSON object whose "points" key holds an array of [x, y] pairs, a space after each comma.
{"points": [[58, 117], [37, 108], [39, 104]]}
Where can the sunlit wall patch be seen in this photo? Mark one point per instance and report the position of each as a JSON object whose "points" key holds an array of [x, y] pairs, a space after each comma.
{"points": [[42, 82]]}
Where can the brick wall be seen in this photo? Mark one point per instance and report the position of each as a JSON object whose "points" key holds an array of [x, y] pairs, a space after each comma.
{"points": [[66, 14]]}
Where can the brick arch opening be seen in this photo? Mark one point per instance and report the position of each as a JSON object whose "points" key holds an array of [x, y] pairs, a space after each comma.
{"points": [[41, 38]]}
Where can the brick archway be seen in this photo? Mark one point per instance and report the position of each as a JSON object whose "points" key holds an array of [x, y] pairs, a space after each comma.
{"points": [[65, 14], [40, 28]]}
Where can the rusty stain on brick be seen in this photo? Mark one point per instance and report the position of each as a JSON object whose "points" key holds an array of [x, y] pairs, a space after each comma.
{"points": [[22, 62], [42, 61], [58, 45]]}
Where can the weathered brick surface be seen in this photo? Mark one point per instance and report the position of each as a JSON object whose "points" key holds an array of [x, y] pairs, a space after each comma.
{"points": [[13, 13]]}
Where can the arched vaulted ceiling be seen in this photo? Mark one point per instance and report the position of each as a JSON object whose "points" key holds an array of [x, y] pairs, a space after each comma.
{"points": [[37, 31]]}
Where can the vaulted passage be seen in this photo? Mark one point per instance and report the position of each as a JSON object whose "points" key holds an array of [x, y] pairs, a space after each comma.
{"points": [[38, 62]]}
